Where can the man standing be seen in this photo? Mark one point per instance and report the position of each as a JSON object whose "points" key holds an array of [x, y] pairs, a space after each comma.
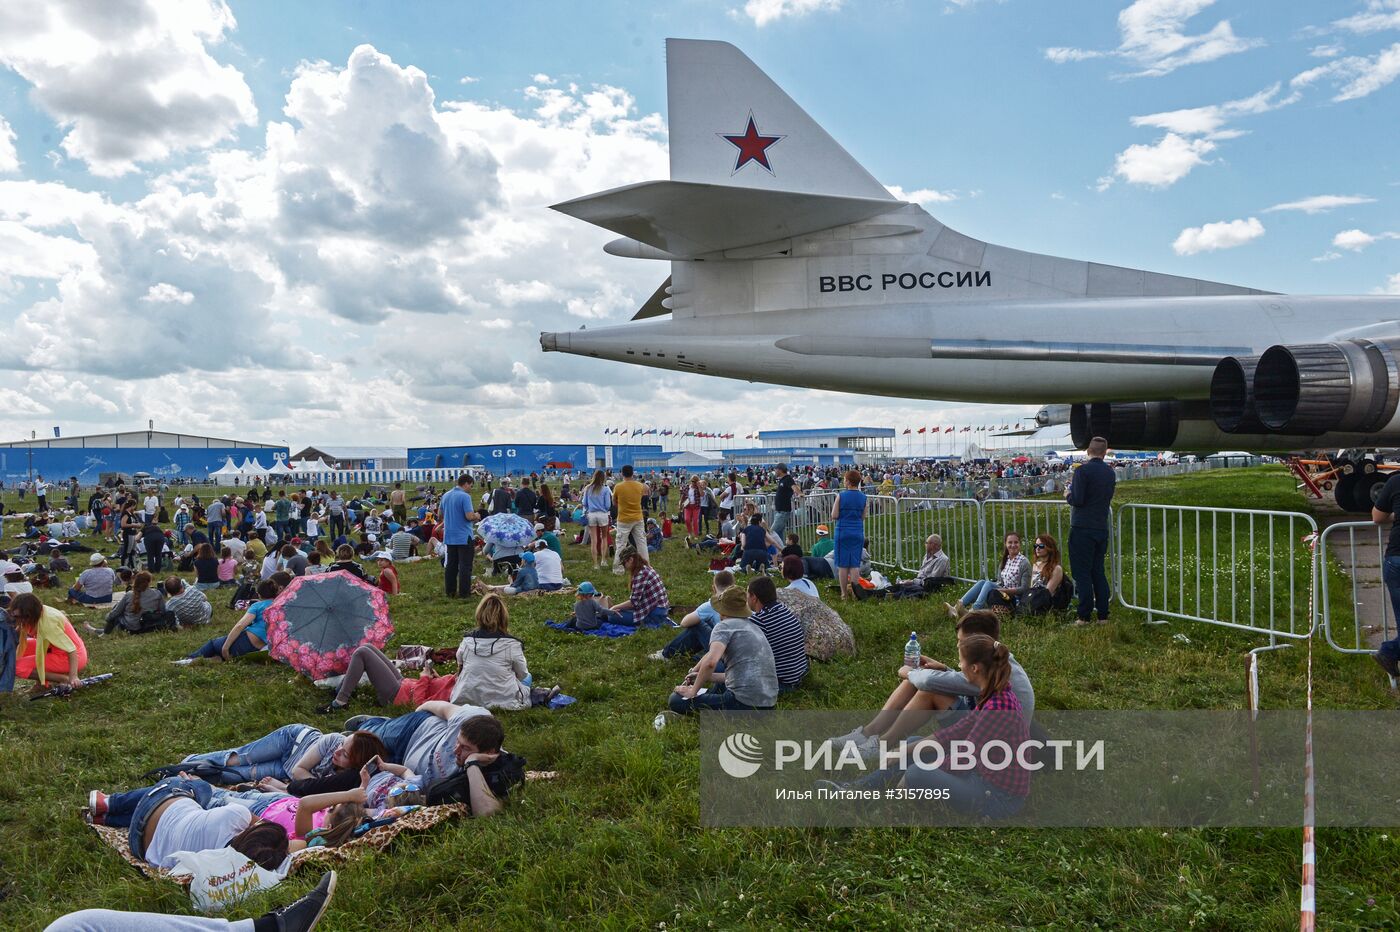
{"points": [[335, 511], [41, 489], [398, 503], [1383, 512], [631, 532], [458, 513], [214, 515], [282, 516], [783, 502], [1089, 494], [525, 501]]}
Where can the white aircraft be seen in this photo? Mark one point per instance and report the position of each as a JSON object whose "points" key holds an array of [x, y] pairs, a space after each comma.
{"points": [[791, 264]]}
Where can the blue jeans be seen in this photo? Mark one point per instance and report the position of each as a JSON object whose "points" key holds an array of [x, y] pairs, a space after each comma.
{"points": [[780, 523], [215, 646], [1390, 574], [133, 810], [1088, 547], [255, 801], [269, 756], [976, 597], [396, 733], [754, 559], [85, 599], [717, 699], [692, 640], [654, 619], [9, 650], [216, 534]]}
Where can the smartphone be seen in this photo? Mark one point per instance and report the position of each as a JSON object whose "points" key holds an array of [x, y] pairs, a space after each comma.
{"points": [[372, 766]]}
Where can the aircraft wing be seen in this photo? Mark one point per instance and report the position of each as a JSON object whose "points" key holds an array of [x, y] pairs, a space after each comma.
{"points": [[689, 219]]}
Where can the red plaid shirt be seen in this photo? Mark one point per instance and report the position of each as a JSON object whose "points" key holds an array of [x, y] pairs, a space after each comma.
{"points": [[648, 592], [999, 718]]}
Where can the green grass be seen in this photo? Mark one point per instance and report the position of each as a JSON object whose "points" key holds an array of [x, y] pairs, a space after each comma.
{"points": [[615, 841]]}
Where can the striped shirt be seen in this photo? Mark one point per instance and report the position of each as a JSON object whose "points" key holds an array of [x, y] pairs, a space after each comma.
{"points": [[789, 642]]}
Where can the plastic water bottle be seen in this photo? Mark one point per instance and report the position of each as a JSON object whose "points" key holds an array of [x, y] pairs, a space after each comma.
{"points": [[912, 654]]}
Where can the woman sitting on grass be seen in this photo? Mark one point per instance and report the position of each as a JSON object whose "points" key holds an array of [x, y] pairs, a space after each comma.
{"points": [[206, 568], [135, 603], [491, 663], [228, 569], [245, 637], [52, 651]]}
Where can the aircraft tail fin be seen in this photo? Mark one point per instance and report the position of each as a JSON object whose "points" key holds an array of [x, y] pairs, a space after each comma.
{"points": [[730, 124]]}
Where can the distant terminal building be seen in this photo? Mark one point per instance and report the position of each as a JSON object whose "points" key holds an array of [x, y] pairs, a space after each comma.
{"points": [[356, 457], [869, 442], [161, 454], [524, 458]]}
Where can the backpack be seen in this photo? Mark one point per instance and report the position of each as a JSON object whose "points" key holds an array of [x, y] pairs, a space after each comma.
{"points": [[502, 775]]}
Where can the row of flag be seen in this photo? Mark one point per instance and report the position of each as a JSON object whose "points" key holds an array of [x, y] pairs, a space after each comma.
{"points": [[659, 432], [954, 430]]}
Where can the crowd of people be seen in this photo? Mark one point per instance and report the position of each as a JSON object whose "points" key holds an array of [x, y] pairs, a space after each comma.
{"points": [[746, 647]]}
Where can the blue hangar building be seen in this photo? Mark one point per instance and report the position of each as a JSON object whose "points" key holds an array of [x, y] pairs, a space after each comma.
{"points": [[516, 459], [165, 455]]}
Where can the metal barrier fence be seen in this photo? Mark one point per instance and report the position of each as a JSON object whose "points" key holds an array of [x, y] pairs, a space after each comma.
{"points": [[1349, 548], [958, 521], [1251, 570], [1028, 517]]}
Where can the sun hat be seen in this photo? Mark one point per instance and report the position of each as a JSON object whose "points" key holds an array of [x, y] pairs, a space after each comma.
{"points": [[821, 530], [587, 588], [731, 603], [383, 555], [539, 527], [96, 559]]}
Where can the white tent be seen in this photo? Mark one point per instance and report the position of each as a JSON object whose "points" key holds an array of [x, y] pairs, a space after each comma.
{"points": [[279, 468], [252, 467], [226, 471], [319, 466]]}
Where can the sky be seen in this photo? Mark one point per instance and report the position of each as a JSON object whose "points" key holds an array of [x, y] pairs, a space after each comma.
{"points": [[327, 222]]}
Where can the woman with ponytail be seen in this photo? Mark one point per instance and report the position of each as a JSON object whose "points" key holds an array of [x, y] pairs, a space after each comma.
{"points": [[982, 790]]}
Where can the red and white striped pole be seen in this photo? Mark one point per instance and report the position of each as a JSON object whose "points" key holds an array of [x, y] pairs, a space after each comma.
{"points": [[1307, 913]]}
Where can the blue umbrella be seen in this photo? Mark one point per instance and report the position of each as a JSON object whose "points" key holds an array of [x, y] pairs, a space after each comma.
{"points": [[506, 529]]}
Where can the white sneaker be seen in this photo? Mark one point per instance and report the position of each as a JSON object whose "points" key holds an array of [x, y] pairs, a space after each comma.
{"points": [[617, 571], [869, 748], [184, 661], [857, 736], [657, 655]]}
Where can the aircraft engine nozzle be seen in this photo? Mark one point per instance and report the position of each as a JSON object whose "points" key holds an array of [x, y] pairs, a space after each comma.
{"points": [[549, 342], [1319, 387], [1232, 395], [1139, 424]]}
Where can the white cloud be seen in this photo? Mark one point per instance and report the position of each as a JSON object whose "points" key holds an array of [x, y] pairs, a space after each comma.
{"points": [[1226, 234], [9, 157], [166, 293], [1378, 16], [1163, 163], [1154, 38], [924, 197], [1326, 51], [1357, 240], [467, 79], [129, 82], [1191, 135], [1391, 286], [763, 12], [1356, 76], [1321, 203]]}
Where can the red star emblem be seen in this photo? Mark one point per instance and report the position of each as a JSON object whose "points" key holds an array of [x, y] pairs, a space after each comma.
{"points": [[752, 146]]}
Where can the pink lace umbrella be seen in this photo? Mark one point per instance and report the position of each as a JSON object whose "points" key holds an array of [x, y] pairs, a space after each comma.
{"points": [[316, 623]]}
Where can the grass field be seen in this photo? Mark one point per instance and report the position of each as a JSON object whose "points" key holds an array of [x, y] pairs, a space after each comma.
{"points": [[615, 841]]}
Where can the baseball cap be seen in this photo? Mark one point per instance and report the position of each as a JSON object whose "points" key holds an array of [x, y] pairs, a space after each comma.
{"points": [[528, 556], [539, 527], [821, 529], [587, 588]]}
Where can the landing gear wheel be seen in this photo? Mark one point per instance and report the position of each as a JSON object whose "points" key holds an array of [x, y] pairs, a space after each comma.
{"points": [[1367, 489], [1344, 492]]}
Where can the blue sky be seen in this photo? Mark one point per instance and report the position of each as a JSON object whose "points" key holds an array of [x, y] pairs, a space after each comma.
{"points": [[211, 220]]}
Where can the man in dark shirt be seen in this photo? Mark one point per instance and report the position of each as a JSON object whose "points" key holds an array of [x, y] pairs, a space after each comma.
{"points": [[525, 500], [1383, 512], [782, 502], [502, 499], [1089, 494]]}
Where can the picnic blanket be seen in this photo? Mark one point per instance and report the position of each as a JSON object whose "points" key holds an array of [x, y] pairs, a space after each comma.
{"points": [[321, 858], [607, 629]]}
